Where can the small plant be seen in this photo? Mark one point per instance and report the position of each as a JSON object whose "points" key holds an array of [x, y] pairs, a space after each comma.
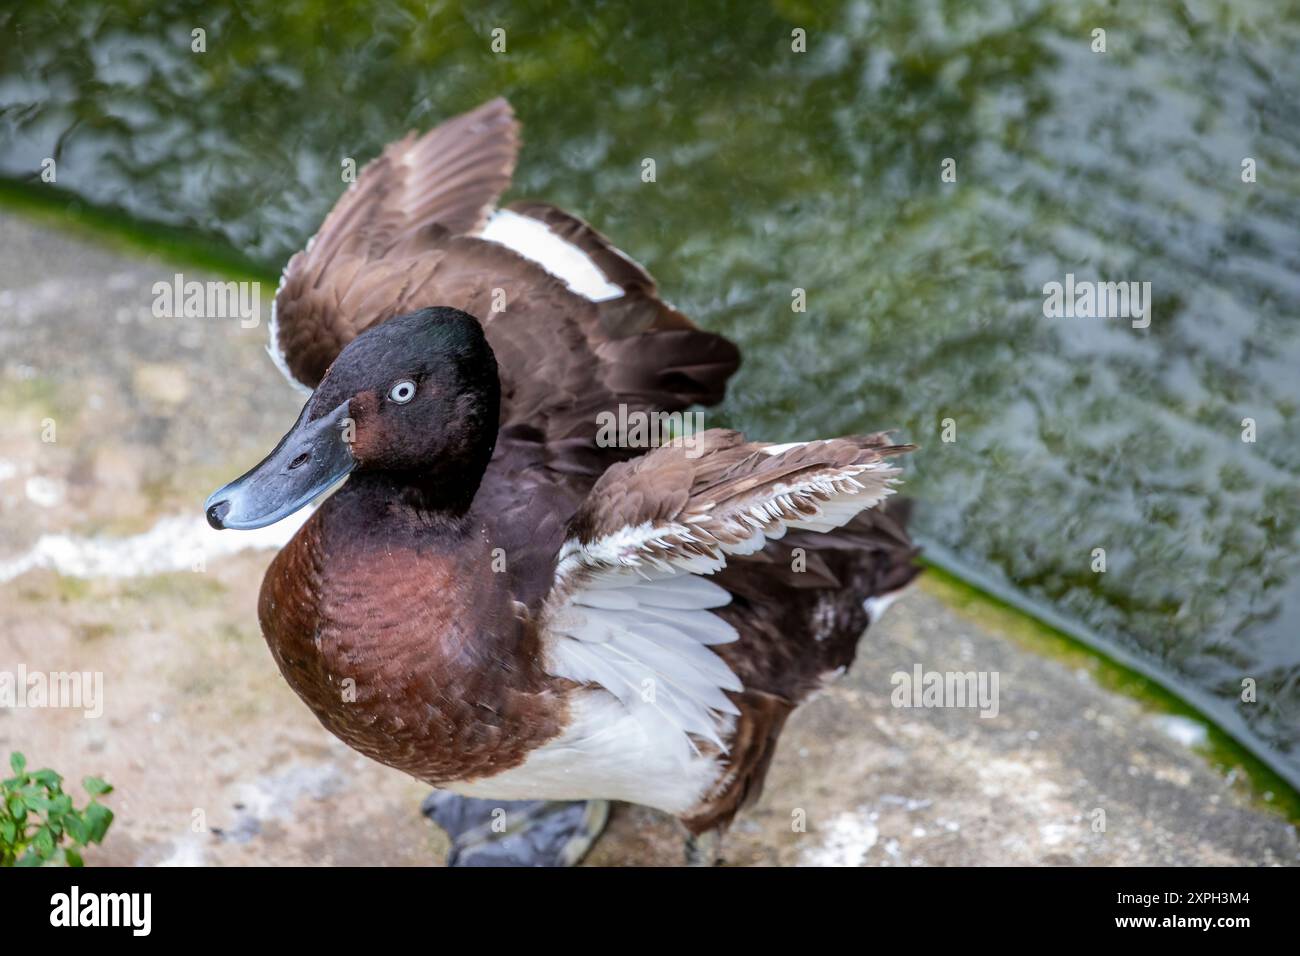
{"points": [[37, 817]]}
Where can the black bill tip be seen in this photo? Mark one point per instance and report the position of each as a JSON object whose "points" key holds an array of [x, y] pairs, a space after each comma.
{"points": [[216, 514]]}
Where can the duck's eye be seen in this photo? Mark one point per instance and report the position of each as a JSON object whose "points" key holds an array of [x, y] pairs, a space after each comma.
{"points": [[402, 392]]}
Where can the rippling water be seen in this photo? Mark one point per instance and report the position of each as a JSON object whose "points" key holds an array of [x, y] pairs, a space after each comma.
{"points": [[820, 170]]}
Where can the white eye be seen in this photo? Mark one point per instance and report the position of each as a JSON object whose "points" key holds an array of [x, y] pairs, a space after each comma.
{"points": [[402, 392]]}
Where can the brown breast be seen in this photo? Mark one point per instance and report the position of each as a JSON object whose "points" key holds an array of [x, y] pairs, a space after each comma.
{"points": [[407, 646]]}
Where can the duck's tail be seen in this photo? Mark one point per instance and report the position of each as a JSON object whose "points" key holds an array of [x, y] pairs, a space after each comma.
{"points": [[821, 591]]}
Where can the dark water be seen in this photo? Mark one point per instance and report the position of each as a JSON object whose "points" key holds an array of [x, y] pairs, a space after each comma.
{"points": [[821, 171]]}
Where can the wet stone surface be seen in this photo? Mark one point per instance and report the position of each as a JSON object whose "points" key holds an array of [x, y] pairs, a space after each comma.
{"points": [[106, 566]]}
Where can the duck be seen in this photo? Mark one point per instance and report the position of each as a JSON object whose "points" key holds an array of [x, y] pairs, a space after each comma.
{"points": [[495, 596]]}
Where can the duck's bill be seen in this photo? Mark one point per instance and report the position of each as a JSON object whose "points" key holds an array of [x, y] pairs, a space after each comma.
{"points": [[308, 460]]}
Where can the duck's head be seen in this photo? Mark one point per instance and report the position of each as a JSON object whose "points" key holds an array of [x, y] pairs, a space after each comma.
{"points": [[415, 400]]}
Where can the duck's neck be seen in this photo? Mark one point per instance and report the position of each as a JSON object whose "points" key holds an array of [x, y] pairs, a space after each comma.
{"points": [[433, 498]]}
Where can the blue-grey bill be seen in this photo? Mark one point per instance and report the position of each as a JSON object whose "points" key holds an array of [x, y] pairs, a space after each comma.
{"points": [[307, 461]]}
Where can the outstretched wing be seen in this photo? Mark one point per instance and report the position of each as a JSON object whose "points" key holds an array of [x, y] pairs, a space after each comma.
{"points": [[410, 233], [370, 259], [630, 606]]}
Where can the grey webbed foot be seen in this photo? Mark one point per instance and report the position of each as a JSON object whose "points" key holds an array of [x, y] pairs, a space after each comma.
{"points": [[516, 832], [704, 849]]}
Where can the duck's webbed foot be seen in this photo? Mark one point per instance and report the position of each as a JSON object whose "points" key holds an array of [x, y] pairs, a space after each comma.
{"points": [[516, 832], [704, 849]]}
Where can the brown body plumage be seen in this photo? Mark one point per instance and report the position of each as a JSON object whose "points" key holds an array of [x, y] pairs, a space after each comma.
{"points": [[415, 612]]}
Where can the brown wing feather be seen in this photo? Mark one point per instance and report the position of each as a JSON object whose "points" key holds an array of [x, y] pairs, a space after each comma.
{"points": [[451, 176], [367, 263], [713, 487]]}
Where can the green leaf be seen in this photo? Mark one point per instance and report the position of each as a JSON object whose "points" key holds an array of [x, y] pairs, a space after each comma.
{"points": [[96, 787], [98, 818], [44, 842], [76, 828], [73, 858], [30, 858], [48, 779], [8, 832], [18, 762], [18, 808]]}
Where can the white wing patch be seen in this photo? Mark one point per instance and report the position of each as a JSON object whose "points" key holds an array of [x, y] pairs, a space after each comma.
{"points": [[646, 640], [534, 240]]}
